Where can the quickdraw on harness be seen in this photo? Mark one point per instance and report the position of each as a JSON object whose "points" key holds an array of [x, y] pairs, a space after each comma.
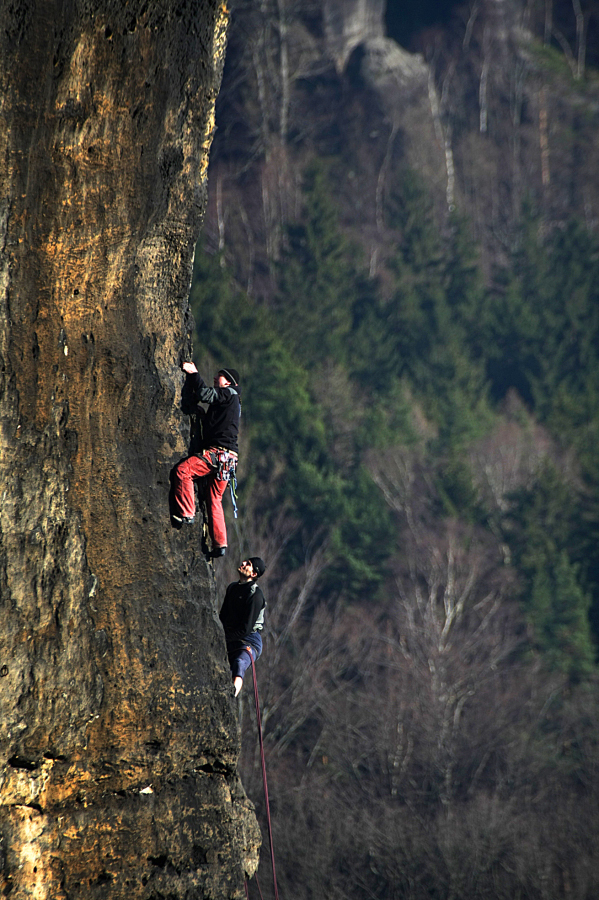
{"points": [[233, 489], [225, 463]]}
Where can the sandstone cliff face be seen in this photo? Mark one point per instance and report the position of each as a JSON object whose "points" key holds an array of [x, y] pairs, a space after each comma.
{"points": [[118, 730]]}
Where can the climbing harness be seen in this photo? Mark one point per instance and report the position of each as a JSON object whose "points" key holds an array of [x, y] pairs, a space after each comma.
{"points": [[259, 724], [225, 463]]}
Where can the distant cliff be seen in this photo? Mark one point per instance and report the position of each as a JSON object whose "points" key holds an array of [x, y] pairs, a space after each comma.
{"points": [[492, 115], [348, 23], [118, 730]]}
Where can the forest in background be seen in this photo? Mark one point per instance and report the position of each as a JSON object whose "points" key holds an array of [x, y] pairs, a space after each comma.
{"points": [[419, 470]]}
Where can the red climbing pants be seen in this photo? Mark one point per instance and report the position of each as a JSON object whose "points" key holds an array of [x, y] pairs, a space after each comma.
{"points": [[190, 470]]}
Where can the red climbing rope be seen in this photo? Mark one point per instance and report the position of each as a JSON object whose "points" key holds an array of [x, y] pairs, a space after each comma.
{"points": [[247, 890], [259, 723]]}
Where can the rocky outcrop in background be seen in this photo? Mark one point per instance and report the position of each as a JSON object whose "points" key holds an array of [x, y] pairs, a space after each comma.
{"points": [[348, 23], [489, 114], [118, 729]]}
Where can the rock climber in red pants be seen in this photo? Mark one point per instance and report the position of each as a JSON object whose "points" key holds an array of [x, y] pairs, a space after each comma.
{"points": [[217, 458]]}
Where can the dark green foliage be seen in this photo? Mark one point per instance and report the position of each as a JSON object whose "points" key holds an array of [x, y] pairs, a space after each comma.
{"points": [[364, 528], [557, 609], [276, 401], [428, 320], [431, 713], [456, 491], [509, 340], [465, 291], [542, 328], [337, 369], [316, 279], [289, 433], [540, 335], [544, 536]]}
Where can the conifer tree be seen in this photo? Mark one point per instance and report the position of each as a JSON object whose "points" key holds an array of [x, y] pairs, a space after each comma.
{"points": [[558, 611], [542, 325], [554, 600], [316, 281], [436, 296]]}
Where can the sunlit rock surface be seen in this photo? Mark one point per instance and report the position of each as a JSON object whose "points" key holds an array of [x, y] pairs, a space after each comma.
{"points": [[118, 731]]}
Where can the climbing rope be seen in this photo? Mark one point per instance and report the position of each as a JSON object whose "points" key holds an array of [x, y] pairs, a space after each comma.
{"points": [[247, 890], [259, 724]]}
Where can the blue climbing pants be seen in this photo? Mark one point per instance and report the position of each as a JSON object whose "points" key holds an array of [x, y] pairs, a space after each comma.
{"points": [[239, 658]]}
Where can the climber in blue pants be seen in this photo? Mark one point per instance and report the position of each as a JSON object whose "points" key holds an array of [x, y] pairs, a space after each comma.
{"points": [[242, 617]]}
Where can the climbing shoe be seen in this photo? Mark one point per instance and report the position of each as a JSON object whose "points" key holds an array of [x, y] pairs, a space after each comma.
{"points": [[218, 551], [184, 520]]}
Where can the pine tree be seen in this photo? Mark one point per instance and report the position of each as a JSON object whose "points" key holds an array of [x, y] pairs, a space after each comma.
{"points": [[431, 314], [554, 600], [541, 328], [316, 280], [558, 610]]}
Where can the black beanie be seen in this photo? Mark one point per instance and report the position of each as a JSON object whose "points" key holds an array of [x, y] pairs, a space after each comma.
{"points": [[258, 565], [231, 375]]}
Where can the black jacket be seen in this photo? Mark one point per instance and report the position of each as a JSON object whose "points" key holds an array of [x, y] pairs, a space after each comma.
{"points": [[242, 611], [220, 424]]}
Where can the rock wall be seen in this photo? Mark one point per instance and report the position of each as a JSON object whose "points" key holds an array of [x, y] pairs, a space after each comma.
{"points": [[118, 732]]}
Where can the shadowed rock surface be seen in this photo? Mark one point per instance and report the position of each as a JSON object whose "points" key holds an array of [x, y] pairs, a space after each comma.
{"points": [[118, 730]]}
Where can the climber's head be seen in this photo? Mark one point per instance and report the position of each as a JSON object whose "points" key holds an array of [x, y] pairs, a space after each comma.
{"points": [[226, 377], [252, 568]]}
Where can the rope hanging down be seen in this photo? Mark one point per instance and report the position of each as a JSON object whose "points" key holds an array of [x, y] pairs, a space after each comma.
{"points": [[247, 890], [259, 723]]}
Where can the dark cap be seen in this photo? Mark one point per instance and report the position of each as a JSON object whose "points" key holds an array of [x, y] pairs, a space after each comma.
{"points": [[231, 375], [258, 565]]}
